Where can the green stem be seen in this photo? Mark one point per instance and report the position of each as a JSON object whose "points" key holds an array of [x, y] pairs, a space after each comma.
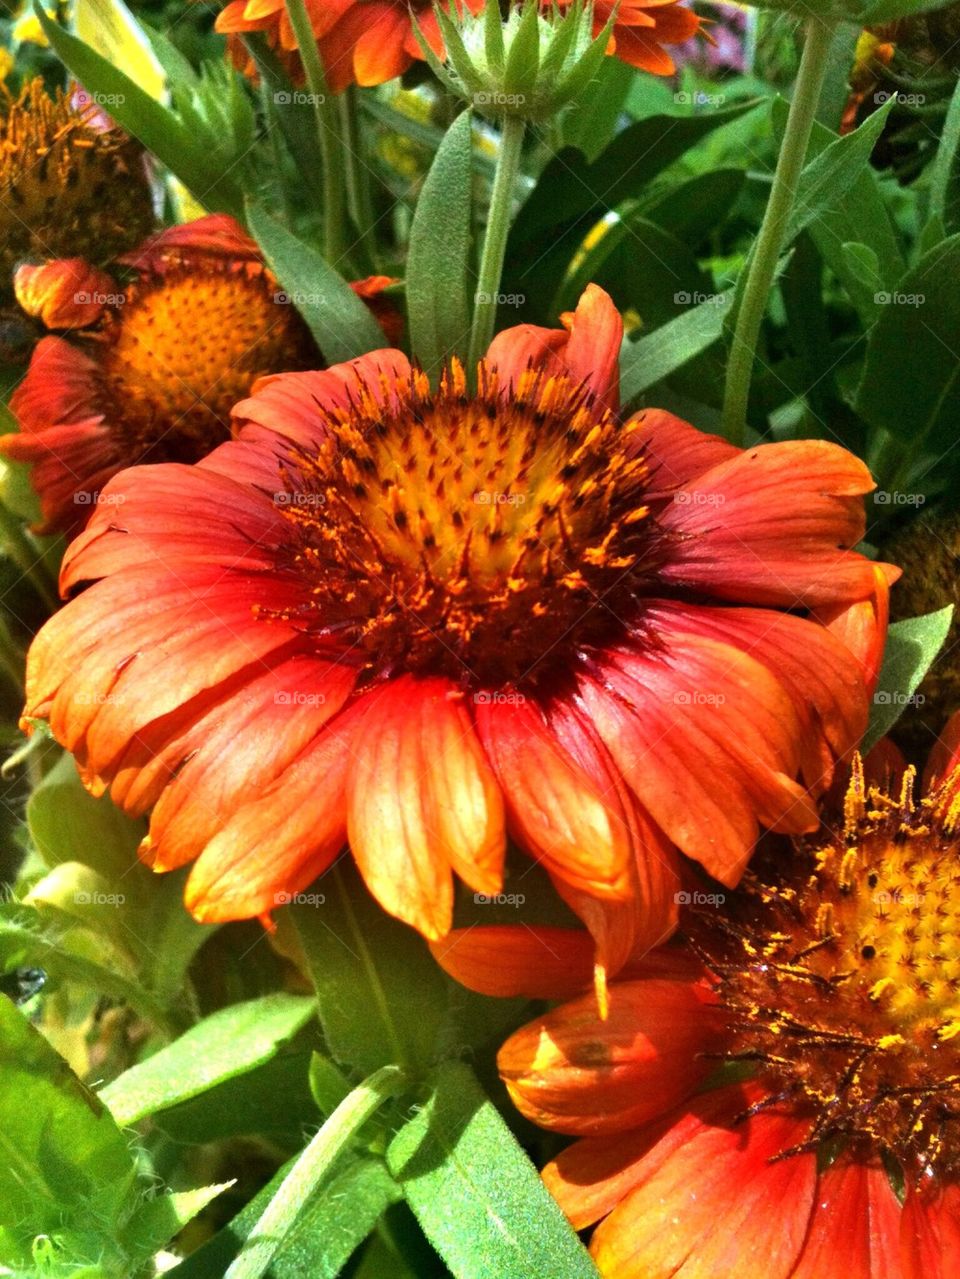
{"points": [[495, 242], [763, 264], [12, 662], [266, 1238], [26, 555], [328, 131], [359, 198]]}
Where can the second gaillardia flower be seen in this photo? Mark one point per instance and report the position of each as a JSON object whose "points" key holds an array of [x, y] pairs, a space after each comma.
{"points": [[414, 620]]}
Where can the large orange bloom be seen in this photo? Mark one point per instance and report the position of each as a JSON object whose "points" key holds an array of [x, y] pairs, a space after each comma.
{"points": [[752, 1099], [369, 42], [151, 369], [416, 619]]}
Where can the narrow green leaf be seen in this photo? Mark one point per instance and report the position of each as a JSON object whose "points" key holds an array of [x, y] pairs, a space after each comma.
{"points": [[381, 996], [301, 1184], [156, 127], [341, 324], [474, 1191], [438, 263], [911, 374], [523, 56], [945, 171], [649, 359], [158, 1220], [912, 648], [227, 1043]]}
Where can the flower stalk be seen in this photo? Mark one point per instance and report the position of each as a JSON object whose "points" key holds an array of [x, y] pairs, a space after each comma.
{"points": [[495, 240], [762, 266]]}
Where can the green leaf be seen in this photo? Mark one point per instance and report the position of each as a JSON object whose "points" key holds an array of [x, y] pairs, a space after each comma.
{"points": [[474, 1191], [438, 301], [523, 56], [341, 324], [269, 1238], [912, 648], [945, 171], [65, 1167], [650, 359], [181, 151], [870, 15], [381, 996], [67, 824], [158, 1220], [227, 1043], [911, 374]]}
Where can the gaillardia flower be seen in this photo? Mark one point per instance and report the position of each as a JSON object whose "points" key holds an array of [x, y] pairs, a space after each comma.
{"points": [[151, 368], [68, 185], [413, 619], [780, 1096]]}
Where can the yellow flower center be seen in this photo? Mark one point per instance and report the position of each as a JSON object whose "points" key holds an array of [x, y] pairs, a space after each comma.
{"points": [[841, 973], [474, 535], [67, 188], [180, 350]]}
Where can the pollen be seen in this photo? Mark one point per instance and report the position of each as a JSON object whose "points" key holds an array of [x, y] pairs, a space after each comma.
{"points": [[68, 188], [477, 535], [179, 350], [840, 972]]}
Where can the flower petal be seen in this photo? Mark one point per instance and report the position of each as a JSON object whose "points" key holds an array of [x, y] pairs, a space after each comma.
{"points": [[855, 1226], [506, 961]]}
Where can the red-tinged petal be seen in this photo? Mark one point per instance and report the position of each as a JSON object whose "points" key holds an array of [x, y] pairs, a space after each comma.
{"points": [[70, 467], [555, 811], [814, 667], [649, 915], [588, 351], [862, 625], [170, 516], [221, 761], [573, 1071], [379, 54], [855, 1226], [944, 757], [422, 800], [711, 1201], [774, 526], [506, 961], [61, 386], [642, 51], [708, 740], [930, 1232], [590, 1177], [293, 404], [281, 841], [216, 235], [676, 452], [69, 293]]}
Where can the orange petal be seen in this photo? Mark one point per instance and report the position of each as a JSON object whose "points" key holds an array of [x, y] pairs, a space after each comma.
{"points": [[930, 1232], [855, 1226], [506, 961], [65, 294]]}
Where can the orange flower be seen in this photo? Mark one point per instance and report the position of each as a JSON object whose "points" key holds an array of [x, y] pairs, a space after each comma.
{"points": [[740, 1108], [151, 369], [369, 42], [416, 619]]}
